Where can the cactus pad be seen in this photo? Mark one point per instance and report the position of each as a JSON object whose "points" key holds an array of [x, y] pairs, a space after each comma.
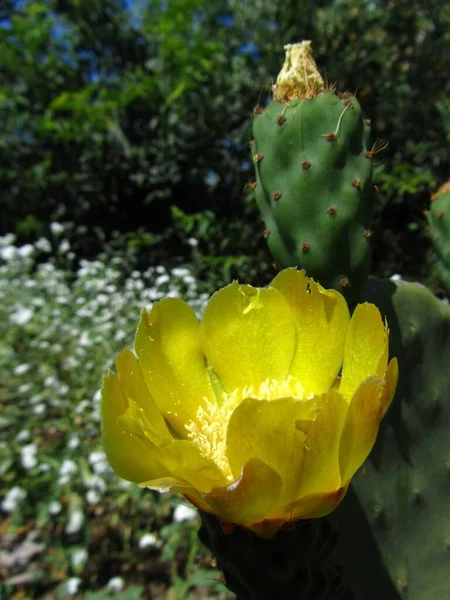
{"points": [[314, 183]]}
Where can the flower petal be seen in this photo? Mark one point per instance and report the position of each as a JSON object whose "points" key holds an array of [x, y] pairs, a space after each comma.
{"points": [[366, 348], [128, 454], [361, 426], [172, 362], [133, 455], [185, 468], [250, 498], [321, 469], [390, 385], [133, 386], [271, 431], [248, 335], [321, 319], [312, 506]]}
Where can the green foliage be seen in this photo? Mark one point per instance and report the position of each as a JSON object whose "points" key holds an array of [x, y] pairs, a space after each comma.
{"points": [[439, 222], [314, 188], [112, 114], [66, 520], [394, 537]]}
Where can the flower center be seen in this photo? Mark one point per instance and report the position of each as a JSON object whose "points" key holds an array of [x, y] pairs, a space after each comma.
{"points": [[209, 430]]}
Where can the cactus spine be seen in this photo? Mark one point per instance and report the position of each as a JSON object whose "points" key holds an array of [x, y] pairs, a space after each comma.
{"points": [[314, 176]]}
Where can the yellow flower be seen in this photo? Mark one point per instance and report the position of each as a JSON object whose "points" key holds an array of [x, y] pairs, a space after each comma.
{"points": [[245, 413]]}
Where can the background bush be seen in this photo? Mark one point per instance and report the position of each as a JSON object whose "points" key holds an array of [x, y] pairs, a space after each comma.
{"points": [[115, 111]]}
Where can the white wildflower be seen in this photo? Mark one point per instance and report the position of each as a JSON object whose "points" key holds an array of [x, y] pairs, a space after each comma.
{"points": [[149, 540], [184, 513], [75, 523], [21, 316], [21, 369], [56, 228], [28, 456], [54, 508], [13, 498], [72, 585], [68, 468], [78, 558], [115, 585], [23, 435], [93, 497]]}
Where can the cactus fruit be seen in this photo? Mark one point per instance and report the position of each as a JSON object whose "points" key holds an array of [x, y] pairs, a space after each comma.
{"points": [[293, 565], [439, 222], [314, 176], [394, 540]]}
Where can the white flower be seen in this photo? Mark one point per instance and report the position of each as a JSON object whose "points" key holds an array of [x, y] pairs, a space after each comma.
{"points": [[39, 409], [84, 339], [78, 558], [21, 369], [68, 468], [74, 442], [148, 540], [51, 381], [119, 335], [56, 228], [192, 242], [13, 498], [75, 523], [184, 513], [23, 435], [115, 585], [28, 456], [162, 279], [43, 245], [7, 253], [25, 251], [181, 272], [54, 508], [72, 585], [93, 497], [21, 316], [99, 462]]}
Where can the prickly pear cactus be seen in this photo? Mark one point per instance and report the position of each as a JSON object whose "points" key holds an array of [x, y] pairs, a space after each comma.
{"points": [[439, 222], [394, 538], [314, 176]]}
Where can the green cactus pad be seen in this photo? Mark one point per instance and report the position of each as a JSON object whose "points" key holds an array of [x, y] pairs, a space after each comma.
{"points": [[394, 538], [314, 187], [439, 221]]}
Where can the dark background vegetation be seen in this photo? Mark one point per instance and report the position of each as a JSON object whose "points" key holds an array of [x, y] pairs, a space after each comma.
{"points": [[114, 112]]}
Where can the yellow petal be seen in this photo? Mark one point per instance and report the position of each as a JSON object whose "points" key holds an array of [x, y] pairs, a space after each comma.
{"points": [[250, 498], [133, 386], [366, 348], [312, 506], [390, 385], [361, 426], [248, 335], [271, 431], [133, 456], [321, 469], [185, 468], [172, 362], [128, 454], [321, 319]]}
